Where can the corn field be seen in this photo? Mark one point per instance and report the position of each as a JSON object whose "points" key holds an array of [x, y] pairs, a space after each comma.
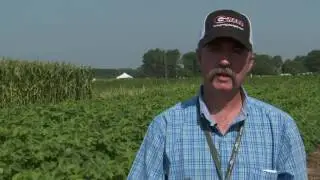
{"points": [[24, 82]]}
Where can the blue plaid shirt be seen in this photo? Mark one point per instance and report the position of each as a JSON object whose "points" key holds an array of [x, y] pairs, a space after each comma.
{"points": [[175, 146]]}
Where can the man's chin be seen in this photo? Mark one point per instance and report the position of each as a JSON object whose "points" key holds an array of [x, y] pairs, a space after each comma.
{"points": [[223, 88]]}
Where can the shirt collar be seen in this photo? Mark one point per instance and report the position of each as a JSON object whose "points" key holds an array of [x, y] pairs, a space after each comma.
{"points": [[205, 112]]}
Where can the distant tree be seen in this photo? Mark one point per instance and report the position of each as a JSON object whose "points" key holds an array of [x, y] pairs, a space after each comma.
{"points": [[190, 64], [277, 64], [160, 63], [312, 61], [294, 67], [167, 63], [264, 65], [171, 61], [153, 63]]}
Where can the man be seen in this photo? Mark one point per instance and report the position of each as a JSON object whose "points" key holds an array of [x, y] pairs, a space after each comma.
{"points": [[222, 133]]}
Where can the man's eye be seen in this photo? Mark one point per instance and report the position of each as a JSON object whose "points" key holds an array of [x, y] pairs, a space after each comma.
{"points": [[238, 50], [214, 48]]}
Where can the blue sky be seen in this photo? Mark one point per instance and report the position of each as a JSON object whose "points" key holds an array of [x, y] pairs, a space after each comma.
{"points": [[116, 33]]}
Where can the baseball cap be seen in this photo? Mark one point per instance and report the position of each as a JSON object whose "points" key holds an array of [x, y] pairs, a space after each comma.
{"points": [[226, 23]]}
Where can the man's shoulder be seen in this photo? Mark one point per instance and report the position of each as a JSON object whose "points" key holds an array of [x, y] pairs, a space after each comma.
{"points": [[178, 109], [263, 108]]}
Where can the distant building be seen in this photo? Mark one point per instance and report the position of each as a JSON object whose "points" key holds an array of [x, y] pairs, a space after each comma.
{"points": [[124, 76], [285, 74]]}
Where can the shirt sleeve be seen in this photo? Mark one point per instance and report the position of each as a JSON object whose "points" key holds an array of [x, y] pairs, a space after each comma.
{"points": [[292, 163], [149, 160]]}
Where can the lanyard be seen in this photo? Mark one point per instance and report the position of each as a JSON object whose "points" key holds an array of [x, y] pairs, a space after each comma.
{"points": [[214, 152]]}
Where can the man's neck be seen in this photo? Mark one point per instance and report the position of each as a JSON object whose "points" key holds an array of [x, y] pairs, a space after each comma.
{"points": [[223, 106], [218, 101]]}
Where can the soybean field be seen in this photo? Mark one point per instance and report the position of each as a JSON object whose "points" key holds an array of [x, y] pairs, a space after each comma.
{"points": [[56, 123]]}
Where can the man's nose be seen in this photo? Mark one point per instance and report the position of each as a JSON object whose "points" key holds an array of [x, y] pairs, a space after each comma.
{"points": [[224, 61]]}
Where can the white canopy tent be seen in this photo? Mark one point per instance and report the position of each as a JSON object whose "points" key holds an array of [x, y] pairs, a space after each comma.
{"points": [[124, 76]]}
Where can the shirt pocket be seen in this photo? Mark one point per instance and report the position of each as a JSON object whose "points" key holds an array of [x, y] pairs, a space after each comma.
{"points": [[256, 173]]}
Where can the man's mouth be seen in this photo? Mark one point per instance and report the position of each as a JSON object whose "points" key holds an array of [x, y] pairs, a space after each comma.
{"points": [[223, 74], [223, 77]]}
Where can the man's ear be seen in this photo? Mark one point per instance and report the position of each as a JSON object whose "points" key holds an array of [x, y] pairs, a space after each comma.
{"points": [[251, 61]]}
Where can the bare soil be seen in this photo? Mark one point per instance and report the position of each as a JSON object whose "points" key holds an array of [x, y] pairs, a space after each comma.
{"points": [[314, 165]]}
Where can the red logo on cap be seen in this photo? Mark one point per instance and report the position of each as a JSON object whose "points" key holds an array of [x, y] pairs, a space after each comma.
{"points": [[228, 20]]}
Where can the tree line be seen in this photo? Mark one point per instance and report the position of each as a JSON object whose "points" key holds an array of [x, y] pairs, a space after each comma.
{"points": [[161, 63]]}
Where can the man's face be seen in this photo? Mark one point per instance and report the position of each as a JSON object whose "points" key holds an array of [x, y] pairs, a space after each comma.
{"points": [[224, 63]]}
